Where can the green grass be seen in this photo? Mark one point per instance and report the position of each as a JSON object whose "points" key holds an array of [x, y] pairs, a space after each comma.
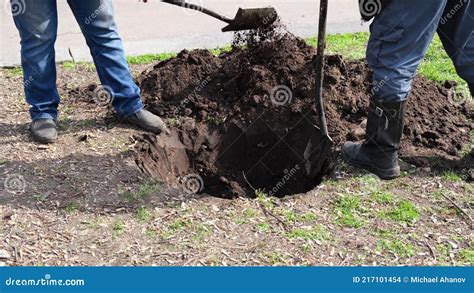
{"points": [[316, 232], [216, 121], [382, 197], [218, 51], [73, 65], [293, 217], [71, 207], [397, 246], [201, 231], [119, 228], [451, 176], [349, 211], [149, 58], [144, 192], [143, 214], [467, 255], [404, 211], [351, 46], [436, 65], [14, 72]]}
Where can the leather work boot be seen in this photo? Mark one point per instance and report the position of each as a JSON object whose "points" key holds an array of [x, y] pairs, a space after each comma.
{"points": [[379, 153], [44, 130], [148, 121]]}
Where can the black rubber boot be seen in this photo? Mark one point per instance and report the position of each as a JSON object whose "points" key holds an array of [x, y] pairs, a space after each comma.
{"points": [[44, 130], [471, 88], [148, 121], [379, 153]]}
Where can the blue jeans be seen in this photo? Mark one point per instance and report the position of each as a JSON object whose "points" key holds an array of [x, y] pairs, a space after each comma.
{"points": [[38, 30], [402, 33]]}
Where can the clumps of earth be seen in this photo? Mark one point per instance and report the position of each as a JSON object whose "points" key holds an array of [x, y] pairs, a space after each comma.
{"points": [[240, 121]]}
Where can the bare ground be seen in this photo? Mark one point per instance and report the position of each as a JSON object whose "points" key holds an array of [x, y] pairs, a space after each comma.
{"points": [[84, 202]]}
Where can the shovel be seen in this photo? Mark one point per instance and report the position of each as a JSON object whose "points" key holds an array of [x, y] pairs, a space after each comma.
{"points": [[319, 146], [245, 19]]}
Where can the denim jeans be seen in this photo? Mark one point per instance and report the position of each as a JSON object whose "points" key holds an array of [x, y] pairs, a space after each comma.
{"points": [[402, 33], [37, 24]]}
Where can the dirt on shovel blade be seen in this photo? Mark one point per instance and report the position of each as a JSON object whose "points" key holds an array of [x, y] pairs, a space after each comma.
{"points": [[240, 121]]}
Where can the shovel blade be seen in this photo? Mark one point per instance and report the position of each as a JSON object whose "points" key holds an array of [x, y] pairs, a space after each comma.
{"points": [[317, 153], [253, 18]]}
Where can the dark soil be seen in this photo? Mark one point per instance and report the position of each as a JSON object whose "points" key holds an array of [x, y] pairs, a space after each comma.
{"points": [[242, 119]]}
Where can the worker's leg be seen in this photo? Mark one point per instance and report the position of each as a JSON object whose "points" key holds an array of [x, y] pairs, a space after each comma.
{"points": [[96, 19], [400, 36], [37, 24], [456, 30]]}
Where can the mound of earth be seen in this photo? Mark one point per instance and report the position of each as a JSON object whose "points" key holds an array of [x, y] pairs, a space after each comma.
{"points": [[241, 120]]}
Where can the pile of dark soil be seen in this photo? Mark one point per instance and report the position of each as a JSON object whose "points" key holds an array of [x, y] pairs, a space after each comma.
{"points": [[242, 119]]}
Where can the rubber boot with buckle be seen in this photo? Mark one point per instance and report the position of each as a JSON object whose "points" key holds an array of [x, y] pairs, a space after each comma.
{"points": [[379, 153]]}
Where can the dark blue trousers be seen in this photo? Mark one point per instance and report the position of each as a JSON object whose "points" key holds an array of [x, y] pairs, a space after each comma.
{"points": [[400, 37]]}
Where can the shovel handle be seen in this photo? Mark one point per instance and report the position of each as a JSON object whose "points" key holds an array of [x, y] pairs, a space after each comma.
{"points": [[199, 8], [323, 13]]}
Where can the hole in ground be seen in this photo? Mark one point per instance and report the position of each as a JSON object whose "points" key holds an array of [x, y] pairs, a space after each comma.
{"points": [[232, 159]]}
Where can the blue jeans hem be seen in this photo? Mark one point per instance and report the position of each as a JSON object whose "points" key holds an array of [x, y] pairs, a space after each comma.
{"points": [[43, 116], [133, 110]]}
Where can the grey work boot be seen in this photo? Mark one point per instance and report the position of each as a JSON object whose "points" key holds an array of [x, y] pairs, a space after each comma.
{"points": [[148, 121], [379, 153], [44, 130]]}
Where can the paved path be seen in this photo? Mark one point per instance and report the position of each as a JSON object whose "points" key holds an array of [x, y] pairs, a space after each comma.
{"points": [[157, 27]]}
